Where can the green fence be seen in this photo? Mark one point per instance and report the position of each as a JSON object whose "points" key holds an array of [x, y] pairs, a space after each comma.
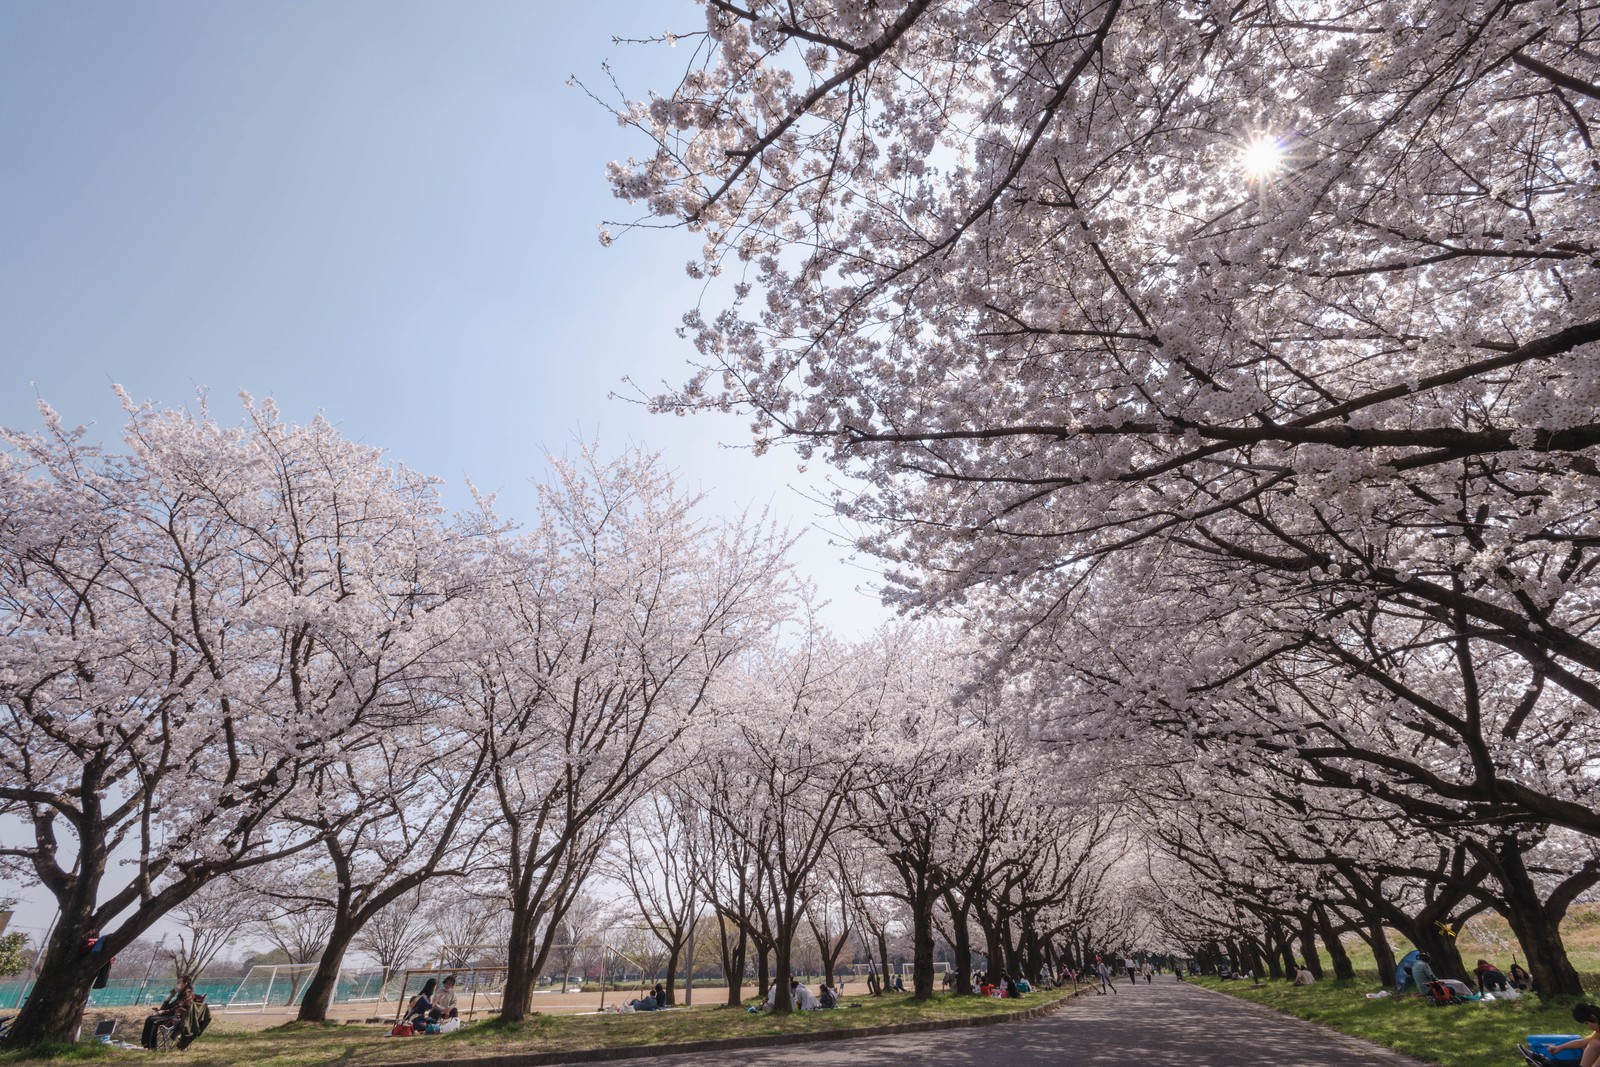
{"points": [[127, 992]]}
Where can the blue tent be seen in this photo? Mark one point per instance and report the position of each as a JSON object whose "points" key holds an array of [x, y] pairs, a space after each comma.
{"points": [[1402, 971]]}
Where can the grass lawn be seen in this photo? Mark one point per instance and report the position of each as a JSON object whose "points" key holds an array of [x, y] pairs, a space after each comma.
{"points": [[1462, 1035], [307, 1045]]}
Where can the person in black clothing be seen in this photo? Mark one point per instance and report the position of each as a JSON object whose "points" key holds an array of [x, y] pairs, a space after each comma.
{"points": [[421, 1005], [172, 1010], [1489, 977]]}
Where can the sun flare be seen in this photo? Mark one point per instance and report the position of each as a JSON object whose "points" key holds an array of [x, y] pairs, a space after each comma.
{"points": [[1261, 158]]}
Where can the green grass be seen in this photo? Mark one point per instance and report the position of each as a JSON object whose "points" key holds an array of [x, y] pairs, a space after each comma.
{"points": [[1489, 937], [58, 1050], [301, 1045], [1460, 1035]]}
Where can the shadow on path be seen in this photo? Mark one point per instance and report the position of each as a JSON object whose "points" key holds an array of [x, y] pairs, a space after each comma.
{"points": [[1160, 1024]]}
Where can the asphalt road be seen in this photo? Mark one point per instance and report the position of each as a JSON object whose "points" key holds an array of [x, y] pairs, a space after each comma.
{"points": [[1160, 1024]]}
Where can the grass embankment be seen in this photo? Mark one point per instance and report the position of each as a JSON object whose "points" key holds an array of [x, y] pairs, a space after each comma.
{"points": [[307, 1045], [1460, 1035]]}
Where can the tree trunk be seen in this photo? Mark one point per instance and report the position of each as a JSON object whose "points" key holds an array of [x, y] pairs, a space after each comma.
{"points": [[1377, 939], [963, 946], [672, 973], [922, 949], [1343, 969], [1443, 955], [1286, 953], [1308, 945], [1538, 931], [763, 971], [883, 954], [324, 983], [783, 1000], [54, 1010], [993, 948], [517, 998], [732, 943]]}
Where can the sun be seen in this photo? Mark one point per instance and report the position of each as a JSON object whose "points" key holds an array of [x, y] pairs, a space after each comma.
{"points": [[1261, 158]]}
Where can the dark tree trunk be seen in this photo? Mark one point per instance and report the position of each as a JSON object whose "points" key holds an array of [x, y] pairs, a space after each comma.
{"points": [[922, 949], [994, 949], [1536, 925], [518, 993], [732, 943], [1308, 945], [54, 1010], [672, 973], [1286, 955], [883, 954], [1343, 969], [782, 1001], [1443, 955], [963, 945], [741, 954], [1377, 939], [324, 982], [763, 970]]}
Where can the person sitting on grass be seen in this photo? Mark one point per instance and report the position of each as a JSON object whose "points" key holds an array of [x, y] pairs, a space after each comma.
{"points": [[1303, 976], [829, 997], [1519, 977], [444, 1001], [1422, 973], [1489, 977], [1590, 1014], [421, 1005]]}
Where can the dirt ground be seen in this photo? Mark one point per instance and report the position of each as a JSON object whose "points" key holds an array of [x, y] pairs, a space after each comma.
{"points": [[131, 1020]]}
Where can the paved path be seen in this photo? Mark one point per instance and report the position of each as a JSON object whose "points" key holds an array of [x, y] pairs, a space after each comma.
{"points": [[1165, 1024]]}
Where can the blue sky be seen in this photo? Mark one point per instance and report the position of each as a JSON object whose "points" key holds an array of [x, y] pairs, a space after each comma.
{"points": [[383, 211]]}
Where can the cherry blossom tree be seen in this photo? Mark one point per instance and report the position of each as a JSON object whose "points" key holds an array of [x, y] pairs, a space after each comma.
{"points": [[211, 920], [660, 870], [1054, 280], [398, 933], [192, 627], [397, 812], [608, 626], [798, 723], [1237, 367]]}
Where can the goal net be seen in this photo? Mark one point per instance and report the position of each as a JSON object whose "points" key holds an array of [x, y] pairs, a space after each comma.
{"points": [[479, 990], [939, 967], [271, 985]]}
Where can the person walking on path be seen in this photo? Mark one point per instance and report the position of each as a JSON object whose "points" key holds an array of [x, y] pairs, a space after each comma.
{"points": [[1103, 969]]}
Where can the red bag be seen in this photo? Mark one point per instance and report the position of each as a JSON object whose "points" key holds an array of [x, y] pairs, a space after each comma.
{"points": [[401, 1030]]}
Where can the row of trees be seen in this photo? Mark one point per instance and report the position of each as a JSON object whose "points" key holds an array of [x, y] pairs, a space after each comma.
{"points": [[261, 647], [258, 674], [1234, 369]]}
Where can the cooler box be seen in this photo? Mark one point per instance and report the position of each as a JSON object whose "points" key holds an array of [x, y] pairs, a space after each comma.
{"points": [[1542, 1043]]}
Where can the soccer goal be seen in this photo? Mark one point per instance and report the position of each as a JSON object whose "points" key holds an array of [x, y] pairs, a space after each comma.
{"points": [[939, 967], [271, 985], [360, 987], [479, 990]]}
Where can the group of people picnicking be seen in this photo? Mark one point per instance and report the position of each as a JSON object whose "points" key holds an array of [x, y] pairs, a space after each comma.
{"points": [[432, 1011], [803, 999], [654, 1000], [1488, 978]]}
